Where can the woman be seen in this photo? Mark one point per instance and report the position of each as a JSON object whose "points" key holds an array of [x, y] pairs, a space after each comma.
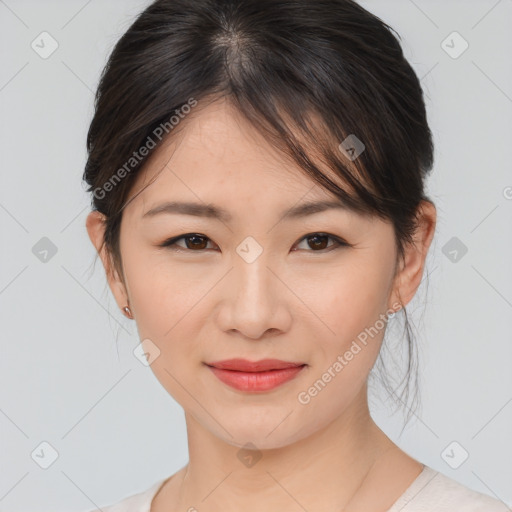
{"points": [[285, 142]]}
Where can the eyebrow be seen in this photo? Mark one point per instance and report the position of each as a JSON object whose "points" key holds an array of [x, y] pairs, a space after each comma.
{"points": [[214, 212]]}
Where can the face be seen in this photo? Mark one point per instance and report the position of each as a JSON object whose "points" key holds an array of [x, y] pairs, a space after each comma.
{"points": [[306, 289]]}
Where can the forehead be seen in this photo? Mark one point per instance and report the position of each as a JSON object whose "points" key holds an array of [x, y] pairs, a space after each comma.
{"points": [[217, 156]]}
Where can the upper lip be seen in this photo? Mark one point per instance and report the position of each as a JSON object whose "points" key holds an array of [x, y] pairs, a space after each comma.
{"points": [[243, 365]]}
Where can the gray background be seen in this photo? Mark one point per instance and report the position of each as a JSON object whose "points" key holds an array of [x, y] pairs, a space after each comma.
{"points": [[68, 374]]}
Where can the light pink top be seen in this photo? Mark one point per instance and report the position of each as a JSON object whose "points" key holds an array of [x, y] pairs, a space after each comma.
{"points": [[431, 491]]}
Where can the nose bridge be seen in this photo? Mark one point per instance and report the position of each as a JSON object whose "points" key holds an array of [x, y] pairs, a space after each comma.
{"points": [[251, 273]]}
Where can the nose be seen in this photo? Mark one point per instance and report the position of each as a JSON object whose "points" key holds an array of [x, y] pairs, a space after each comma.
{"points": [[255, 301]]}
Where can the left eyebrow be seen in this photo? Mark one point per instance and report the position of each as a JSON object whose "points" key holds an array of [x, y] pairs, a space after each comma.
{"points": [[215, 212], [193, 209]]}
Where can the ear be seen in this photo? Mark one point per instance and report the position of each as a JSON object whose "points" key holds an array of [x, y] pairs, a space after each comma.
{"points": [[410, 274], [96, 223]]}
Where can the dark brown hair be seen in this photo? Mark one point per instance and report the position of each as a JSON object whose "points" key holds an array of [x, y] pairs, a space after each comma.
{"points": [[307, 73]]}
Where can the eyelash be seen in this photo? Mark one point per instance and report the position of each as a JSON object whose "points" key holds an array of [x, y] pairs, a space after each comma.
{"points": [[339, 243]]}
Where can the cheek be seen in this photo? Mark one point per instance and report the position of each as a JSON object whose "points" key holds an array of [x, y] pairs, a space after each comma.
{"points": [[171, 309], [351, 306], [167, 305], [159, 298], [351, 298]]}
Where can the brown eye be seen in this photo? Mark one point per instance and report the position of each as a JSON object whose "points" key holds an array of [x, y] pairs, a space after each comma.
{"points": [[196, 242], [319, 242], [193, 242]]}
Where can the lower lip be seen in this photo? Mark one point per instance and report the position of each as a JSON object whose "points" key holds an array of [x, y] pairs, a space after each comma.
{"points": [[256, 381]]}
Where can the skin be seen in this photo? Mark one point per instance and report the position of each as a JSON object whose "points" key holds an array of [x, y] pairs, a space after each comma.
{"points": [[306, 305]]}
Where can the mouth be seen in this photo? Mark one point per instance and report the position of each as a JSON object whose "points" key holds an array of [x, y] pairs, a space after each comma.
{"points": [[255, 376]]}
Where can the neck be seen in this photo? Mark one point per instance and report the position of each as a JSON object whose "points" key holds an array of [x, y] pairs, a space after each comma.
{"points": [[320, 472]]}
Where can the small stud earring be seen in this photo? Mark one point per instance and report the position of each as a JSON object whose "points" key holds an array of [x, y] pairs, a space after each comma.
{"points": [[395, 311], [127, 312]]}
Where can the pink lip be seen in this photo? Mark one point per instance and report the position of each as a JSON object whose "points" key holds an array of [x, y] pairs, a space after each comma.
{"points": [[255, 376], [243, 365]]}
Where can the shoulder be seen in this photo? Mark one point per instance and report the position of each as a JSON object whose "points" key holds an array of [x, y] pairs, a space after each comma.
{"points": [[140, 502], [433, 491]]}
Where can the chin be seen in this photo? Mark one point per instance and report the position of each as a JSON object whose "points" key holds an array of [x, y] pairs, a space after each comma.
{"points": [[272, 431]]}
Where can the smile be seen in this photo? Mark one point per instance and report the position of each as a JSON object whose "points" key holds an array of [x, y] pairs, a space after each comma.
{"points": [[255, 376]]}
